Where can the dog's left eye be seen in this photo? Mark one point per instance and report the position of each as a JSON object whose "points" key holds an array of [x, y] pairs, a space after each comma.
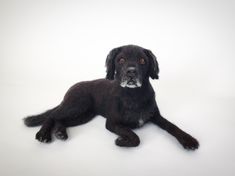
{"points": [[142, 61]]}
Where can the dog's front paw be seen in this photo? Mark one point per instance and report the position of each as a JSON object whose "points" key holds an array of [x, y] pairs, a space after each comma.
{"points": [[188, 142], [127, 142], [44, 137]]}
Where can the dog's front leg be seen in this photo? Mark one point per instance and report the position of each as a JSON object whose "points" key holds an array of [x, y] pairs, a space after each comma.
{"points": [[127, 138], [186, 140]]}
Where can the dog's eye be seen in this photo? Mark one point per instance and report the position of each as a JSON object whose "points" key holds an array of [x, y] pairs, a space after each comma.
{"points": [[142, 61], [121, 61]]}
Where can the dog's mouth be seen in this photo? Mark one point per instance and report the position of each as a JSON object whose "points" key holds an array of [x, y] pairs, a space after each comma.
{"points": [[131, 83]]}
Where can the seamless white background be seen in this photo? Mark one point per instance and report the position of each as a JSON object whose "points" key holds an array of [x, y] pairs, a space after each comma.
{"points": [[47, 46]]}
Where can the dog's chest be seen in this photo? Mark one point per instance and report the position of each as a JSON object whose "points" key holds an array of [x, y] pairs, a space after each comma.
{"points": [[135, 118], [136, 114]]}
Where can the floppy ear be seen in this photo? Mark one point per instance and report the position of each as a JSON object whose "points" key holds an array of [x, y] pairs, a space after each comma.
{"points": [[110, 63], [153, 64]]}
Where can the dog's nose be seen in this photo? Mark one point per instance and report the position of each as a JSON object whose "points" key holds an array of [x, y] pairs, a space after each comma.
{"points": [[131, 71]]}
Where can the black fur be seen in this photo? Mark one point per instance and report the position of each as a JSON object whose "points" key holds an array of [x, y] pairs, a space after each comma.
{"points": [[125, 98]]}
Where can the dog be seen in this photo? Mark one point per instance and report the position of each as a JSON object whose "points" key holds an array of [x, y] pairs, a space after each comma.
{"points": [[125, 98]]}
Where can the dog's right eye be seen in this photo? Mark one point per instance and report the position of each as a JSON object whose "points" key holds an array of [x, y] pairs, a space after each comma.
{"points": [[121, 61]]}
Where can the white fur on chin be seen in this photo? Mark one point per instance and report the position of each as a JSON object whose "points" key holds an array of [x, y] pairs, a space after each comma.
{"points": [[124, 84]]}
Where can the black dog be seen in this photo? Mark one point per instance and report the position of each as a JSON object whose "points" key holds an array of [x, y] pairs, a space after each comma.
{"points": [[125, 98]]}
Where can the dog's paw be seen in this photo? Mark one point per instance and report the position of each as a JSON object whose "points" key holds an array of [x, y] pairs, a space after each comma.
{"points": [[188, 142], [62, 135], [44, 137], [126, 142]]}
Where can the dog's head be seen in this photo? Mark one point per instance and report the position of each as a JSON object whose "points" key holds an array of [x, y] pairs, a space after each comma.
{"points": [[131, 65]]}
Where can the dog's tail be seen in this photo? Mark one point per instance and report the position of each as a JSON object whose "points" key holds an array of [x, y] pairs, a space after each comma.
{"points": [[36, 120]]}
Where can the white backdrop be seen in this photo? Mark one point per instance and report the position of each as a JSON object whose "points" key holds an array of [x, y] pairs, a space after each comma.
{"points": [[47, 46]]}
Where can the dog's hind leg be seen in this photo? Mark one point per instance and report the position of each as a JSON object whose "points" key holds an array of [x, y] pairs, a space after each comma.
{"points": [[64, 116], [60, 126], [44, 134], [79, 120], [75, 104], [60, 131]]}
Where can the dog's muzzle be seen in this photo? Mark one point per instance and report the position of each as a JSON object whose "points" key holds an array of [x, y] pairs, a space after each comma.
{"points": [[130, 79]]}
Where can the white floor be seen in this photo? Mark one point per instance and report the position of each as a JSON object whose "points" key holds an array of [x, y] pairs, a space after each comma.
{"points": [[48, 46]]}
